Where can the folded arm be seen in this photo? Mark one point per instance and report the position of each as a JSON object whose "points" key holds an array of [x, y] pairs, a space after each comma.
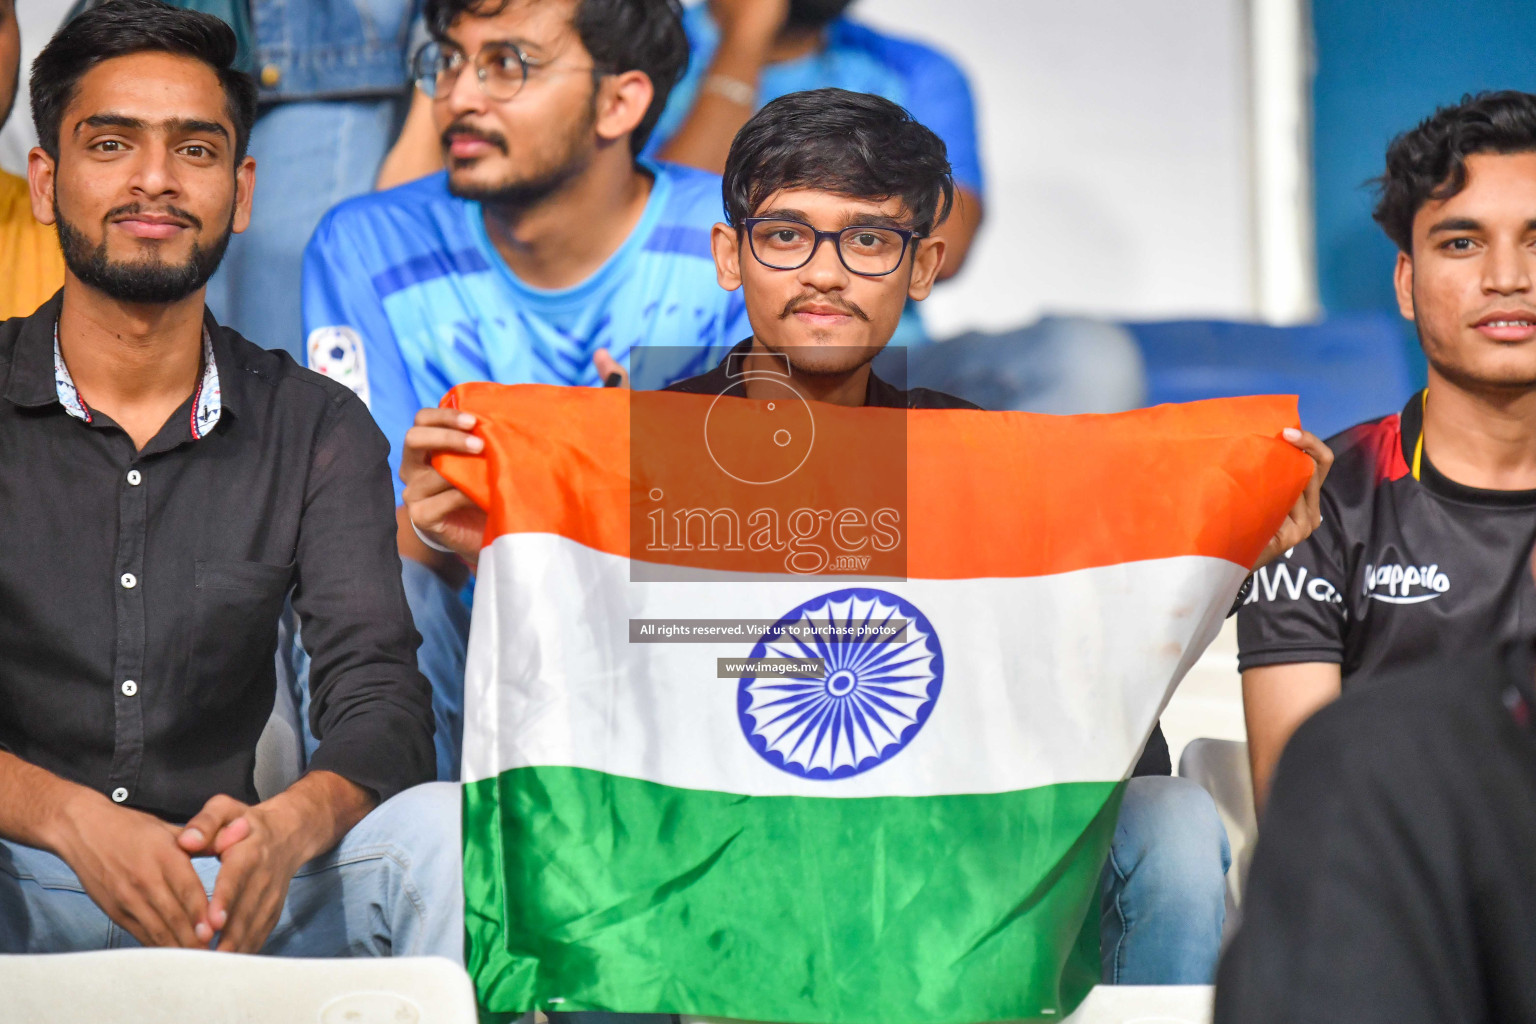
{"points": [[370, 707]]}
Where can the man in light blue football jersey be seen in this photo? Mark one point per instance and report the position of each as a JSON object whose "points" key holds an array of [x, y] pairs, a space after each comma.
{"points": [[544, 253]]}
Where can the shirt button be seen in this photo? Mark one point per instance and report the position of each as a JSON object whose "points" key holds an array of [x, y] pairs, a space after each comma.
{"points": [[129, 581], [119, 795], [271, 74], [134, 478], [130, 687]]}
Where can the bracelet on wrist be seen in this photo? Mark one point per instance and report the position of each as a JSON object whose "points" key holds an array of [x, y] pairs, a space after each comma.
{"points": [[429, 542], [741, 93]]}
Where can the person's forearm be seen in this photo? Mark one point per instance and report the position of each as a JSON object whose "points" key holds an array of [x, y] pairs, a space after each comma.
{"points": [[704, 139], [318, 810], [1276, 700], [417, 152], [958, 231], [35, 804]]}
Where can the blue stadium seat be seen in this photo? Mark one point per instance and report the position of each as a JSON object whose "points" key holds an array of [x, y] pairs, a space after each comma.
{"points": [[1346, 369]]}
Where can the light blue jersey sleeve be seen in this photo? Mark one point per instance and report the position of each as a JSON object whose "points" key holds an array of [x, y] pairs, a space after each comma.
{"points": [[349, 337], [935, 91], [696, 205], [858, 58]]}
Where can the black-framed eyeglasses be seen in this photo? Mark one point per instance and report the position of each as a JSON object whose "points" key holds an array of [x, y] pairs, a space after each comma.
{"points": [[865, 249], [500, 68]]}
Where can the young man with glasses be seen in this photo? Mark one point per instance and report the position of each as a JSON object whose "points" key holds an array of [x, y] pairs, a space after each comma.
{"points": [[831, 202], [544, 254], [746, 52]]}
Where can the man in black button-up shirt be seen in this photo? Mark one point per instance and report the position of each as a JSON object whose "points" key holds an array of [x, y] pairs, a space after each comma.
{"points": [[164, 484]]}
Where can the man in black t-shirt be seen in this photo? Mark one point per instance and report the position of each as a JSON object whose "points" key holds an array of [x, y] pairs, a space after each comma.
{"points": [[1427, 513], [831, 199], [1395, 880]]}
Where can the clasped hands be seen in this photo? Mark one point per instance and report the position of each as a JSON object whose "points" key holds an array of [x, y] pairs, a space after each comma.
{"points": [[138, 869]]}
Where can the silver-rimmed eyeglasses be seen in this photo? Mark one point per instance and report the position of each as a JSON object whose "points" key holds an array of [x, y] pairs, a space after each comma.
{"points": [[500, 68]]}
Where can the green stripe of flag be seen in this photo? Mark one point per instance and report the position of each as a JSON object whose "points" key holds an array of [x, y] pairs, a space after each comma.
{"points": [[590, 891]]}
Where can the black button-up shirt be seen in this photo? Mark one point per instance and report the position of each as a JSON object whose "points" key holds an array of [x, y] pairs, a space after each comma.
{"points": [[877, 393], [140, 590]]}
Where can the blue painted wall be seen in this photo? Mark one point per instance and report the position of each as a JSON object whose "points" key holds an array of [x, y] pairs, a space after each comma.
{"points": [[1382, 66]]}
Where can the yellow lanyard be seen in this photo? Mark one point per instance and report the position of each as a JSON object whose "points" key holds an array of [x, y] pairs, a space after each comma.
{"points": [[1418, 445]]}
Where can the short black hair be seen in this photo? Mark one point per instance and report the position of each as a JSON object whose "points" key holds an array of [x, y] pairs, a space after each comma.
{"points": [[621, 35], [847, 143], [119, 28], [1430, 161]]}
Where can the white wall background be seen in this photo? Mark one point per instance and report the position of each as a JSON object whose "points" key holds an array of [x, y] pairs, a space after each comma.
{"points": [[1115, 138], [38, 19]]}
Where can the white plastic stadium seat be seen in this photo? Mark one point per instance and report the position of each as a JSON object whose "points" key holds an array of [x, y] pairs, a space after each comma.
{"points": [[1146, 1004], [1221, 767], [151, 986], [280, 751], [1118, 1004]]}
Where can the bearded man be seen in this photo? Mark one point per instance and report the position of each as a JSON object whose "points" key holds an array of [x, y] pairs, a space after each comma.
{"points": [[545, 252], [167, 485]]}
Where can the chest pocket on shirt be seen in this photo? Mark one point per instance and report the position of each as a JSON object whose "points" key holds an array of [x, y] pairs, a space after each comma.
{"points": [[234, 625]]}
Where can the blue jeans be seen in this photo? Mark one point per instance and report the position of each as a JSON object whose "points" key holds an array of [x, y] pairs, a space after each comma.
{"points": [[1061, 365], [442, 619], [309, 157], [1164, 886], [393, 886]]}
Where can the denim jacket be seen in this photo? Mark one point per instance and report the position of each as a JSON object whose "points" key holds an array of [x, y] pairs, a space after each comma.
{"points": [[332, 49]]}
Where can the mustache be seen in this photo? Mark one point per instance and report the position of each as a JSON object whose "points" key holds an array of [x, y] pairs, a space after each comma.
{"points": [[456, 131], [129, 209], [835, 301]]}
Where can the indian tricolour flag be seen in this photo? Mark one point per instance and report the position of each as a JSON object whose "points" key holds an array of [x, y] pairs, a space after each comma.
{"points": [[779, 818]]}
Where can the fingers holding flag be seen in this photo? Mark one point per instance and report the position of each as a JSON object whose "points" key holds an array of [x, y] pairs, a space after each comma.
{"points": [[613, 375], [1306, 514], [442, 515]]}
